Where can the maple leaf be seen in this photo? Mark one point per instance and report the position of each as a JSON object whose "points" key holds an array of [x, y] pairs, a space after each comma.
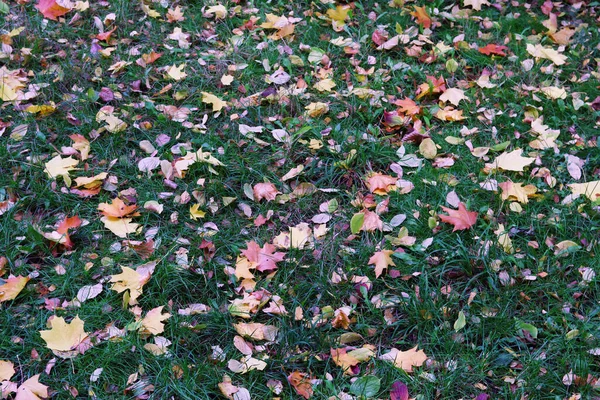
{"points": [[381, 259], [176, 72], [476, 4], [152, 322], [59, 166], [219, 11], [81, 144], [132, 280], [266, 191], [589, 189], [196, 212], [64, 339], [298, 237], [548, 53], [492, 48], [7, 370], [264, 258], [461, 219], [256, 331], [317, 109], [338, 16], [301, 382], [61, 234], [217, 103], [349, 359], [516, 191], [449, 114], [405, 360], [118, 209], [408, 106], [512, 161], [433, 85], [121, 226], [52, 9], [423, 19], [453, 95], [32, 389], [246, 364], [381, 184], [159, 347], [11, 287]]}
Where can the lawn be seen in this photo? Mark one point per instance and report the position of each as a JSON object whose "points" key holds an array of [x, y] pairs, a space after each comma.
{"points": [[292, 199]]}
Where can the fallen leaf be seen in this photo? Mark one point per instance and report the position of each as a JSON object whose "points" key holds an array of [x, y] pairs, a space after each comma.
{"points": [[52, 9], [265, 258], [512, 161], [266, 191], [12, 287], [132, 280], [381, 184], [453, 95], [32, 389], [405, 360], [461, 218], [59, 166], [548, 53], [121, 226], [64, 338], [301, 382], [476, 4], [516, 191], [493, 49], [152, 322], [423, 18], [381, 259], [256, 331], [217, 103], [7, 370], [589, 189]]}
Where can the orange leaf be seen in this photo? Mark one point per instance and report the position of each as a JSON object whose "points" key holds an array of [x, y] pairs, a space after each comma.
{"points": [[381, 259], [51, 9], [301, 382], [461, 219], [117, 209], [12, 287], [422, 17], [381, 184], [493, 49], [65, 225]]}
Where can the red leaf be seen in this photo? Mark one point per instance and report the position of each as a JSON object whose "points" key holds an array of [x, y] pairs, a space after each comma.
{"points": [[493, 49], [399, 391], [51, 10], [461, 219]]}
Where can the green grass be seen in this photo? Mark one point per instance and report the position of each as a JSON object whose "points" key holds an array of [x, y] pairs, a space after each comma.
{"points": [[464, 271]]}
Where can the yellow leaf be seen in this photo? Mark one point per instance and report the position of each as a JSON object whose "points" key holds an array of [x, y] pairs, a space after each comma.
{"points": [[453, 95], [196, 213], [405, 359], [325, 85], [512, 161], [256, 331], [132, 280], [59, 166], [219, 11], [32, 389], [504, 240], [7, 370], [516, 191], [176, 72], [63, 338], [217, 103], [548, 53], [476, 4], [149, 12], [152, 322], [589, 189], [428, 149], [316, 109], [12, 287], [554, 92], [121, 226]]}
